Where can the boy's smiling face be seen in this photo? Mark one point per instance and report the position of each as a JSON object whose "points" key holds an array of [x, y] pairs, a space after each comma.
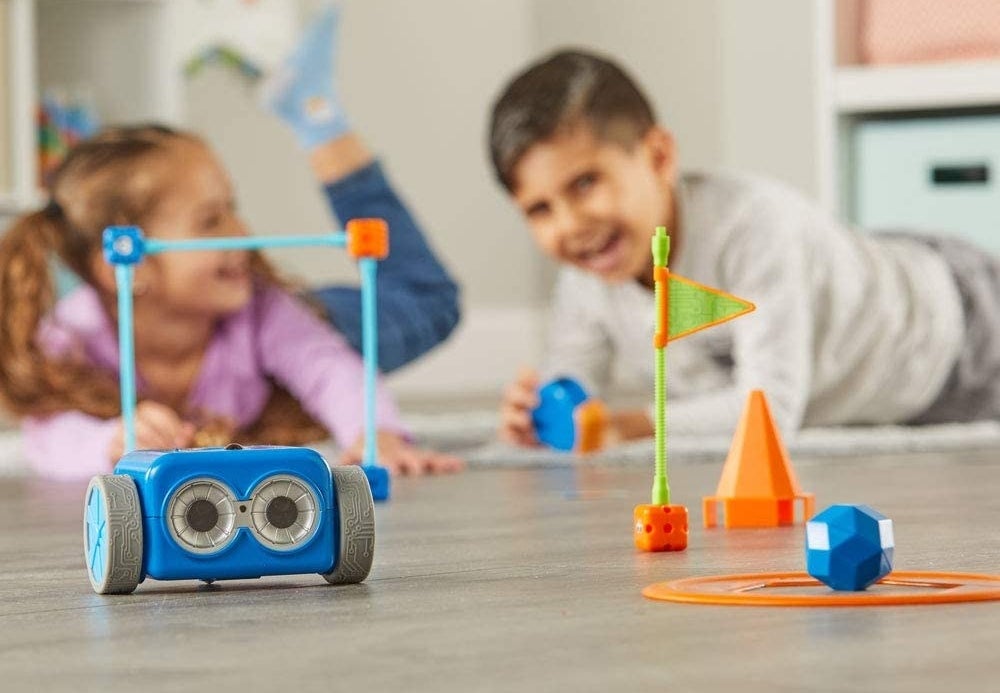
{"points": [[594, 204]]}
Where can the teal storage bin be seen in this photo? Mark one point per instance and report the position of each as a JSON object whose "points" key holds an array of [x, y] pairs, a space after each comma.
{"points": [[933, 174]]}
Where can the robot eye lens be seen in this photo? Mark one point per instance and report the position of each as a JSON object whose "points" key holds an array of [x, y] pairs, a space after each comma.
{"points": [[202, 515], [282, 512]]}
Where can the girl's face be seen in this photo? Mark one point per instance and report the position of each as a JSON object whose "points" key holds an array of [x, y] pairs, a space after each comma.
{"points": [[196, 202]]}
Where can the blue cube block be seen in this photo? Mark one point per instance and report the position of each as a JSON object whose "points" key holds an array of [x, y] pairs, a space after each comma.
{"points": [[123, 245], [378, 479], [849, 547], [553, 417]]}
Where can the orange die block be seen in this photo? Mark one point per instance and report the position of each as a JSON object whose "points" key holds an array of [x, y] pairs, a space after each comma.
{"points": [[368, 238], [661, 527]]}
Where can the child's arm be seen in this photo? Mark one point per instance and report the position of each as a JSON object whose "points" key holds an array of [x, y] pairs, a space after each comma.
{"points": [[74, 445], [395, 452], [318, 367], [629, 424], [418, 303], [68, 445], [71, 444]]}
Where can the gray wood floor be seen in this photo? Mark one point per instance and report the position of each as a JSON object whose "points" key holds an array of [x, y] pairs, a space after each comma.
{"points": [[517, 580]]}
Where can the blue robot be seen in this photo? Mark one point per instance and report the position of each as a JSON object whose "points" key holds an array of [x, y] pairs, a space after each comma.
{"points": [[227, 513]]}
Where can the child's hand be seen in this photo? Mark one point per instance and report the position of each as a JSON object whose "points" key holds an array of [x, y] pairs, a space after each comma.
{"points": [[157, 427], [399, 457], [519, 399]]}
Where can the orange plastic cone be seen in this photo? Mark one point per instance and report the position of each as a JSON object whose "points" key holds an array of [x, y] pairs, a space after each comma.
{"points": [[758, 487]]}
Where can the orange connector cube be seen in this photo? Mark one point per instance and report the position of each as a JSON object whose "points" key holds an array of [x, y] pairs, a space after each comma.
{"points": [[367, 238], [591, 420], [661, 527]]}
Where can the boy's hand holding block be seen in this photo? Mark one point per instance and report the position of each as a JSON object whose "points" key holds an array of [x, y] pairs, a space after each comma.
{"points": [[567, 419]]}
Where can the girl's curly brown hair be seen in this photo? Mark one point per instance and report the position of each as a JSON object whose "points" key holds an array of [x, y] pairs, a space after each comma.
{"points": [[97, 186]]}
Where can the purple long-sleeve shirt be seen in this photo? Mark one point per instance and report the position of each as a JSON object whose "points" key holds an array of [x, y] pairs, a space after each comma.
{"points": [[275, 336]]}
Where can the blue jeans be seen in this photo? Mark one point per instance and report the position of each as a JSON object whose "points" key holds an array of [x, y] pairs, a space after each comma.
{"points": [[418, 301]]}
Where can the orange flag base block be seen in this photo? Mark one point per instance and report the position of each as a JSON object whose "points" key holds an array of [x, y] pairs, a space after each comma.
{"points": [[758, 487], [661, 527]]}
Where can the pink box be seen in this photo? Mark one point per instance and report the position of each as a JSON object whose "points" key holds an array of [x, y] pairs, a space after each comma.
{"points": [[904, 31]]}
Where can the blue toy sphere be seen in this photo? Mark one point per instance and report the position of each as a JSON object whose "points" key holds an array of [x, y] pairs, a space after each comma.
{"points": [[849, 547]]}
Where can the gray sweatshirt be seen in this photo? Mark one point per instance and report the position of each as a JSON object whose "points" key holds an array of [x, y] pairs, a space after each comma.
{"points": [[849, 327]]}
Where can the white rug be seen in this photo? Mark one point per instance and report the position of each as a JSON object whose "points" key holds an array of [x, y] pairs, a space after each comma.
{"points": [[472, 435]]}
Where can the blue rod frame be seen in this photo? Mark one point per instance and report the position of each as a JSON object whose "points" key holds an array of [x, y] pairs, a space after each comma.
{"points": [[126, 246]]}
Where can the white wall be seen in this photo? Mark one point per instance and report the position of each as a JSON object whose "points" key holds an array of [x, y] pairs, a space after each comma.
{"points": [[769, 89], [670, 46], [731, 78], [417, 79], [734, 80]]}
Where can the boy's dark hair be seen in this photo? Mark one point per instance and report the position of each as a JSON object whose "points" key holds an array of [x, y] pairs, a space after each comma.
{"points": [[564, 89]]}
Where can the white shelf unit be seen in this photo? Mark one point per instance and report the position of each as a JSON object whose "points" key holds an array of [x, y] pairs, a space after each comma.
{"points": [[118, 51], [916, 87], [20, 168], [849, 92], [128, 55]]}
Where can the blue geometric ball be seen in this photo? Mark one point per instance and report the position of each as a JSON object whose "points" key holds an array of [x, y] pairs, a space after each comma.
{"points": [[849, 547]]}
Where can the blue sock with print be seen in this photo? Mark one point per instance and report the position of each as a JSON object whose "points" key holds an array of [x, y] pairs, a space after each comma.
{"points": [[303, 91]]}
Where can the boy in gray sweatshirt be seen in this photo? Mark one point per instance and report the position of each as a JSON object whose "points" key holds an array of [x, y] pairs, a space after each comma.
{"points": [[850, 328]]}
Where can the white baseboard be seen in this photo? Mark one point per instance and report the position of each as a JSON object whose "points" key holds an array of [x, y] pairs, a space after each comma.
{"points": [[481, 356]]}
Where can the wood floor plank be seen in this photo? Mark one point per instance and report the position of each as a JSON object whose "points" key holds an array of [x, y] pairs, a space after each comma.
{"points": [[516, 579]]}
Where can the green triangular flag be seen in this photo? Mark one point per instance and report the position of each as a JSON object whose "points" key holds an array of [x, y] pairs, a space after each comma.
{"points": [[694, 307]]}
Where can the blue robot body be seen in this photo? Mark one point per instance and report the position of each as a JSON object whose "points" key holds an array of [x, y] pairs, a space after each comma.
{"points": [[215, 514]]}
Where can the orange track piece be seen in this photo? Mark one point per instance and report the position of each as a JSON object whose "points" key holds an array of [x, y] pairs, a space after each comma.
{"points": [[661, 527], [758, 487], [751, 589], [367, 238]]}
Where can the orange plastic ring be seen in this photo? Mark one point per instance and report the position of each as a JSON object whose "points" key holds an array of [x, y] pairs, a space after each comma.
{"points": [[745, 590]]}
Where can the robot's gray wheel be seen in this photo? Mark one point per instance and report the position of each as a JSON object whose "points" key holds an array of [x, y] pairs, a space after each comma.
{"points": [[112, 534], [356, 545]]}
